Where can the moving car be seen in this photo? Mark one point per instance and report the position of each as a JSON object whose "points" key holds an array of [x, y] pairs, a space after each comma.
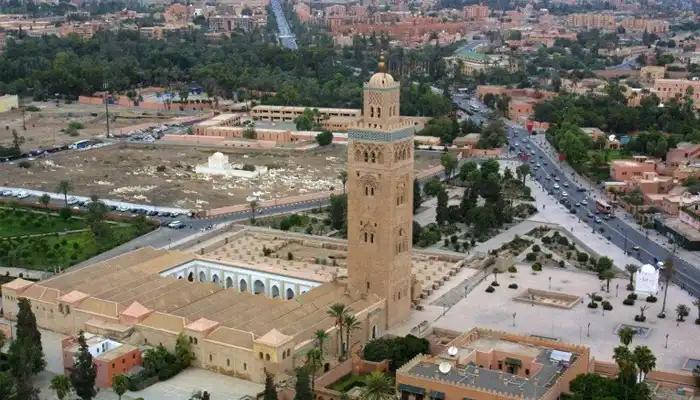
{"points": [[584, 202], [598, 220], [556, 186], [176, 225]]}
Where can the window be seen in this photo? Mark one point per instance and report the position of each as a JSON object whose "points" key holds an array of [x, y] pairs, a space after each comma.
{"points": [[228, 362], [67, 309], [371, 237], [500, 365], [399, 295], [284, 355], [260, 355], [367, 285], [366, 236], [210, 358], [114, 365], [60, 308], [133, 356], [527, 372], [371, 191], [191, 339], [366, 156], [267, 357], [123, 361], [195, 340], [245, 366], [289, 352]]}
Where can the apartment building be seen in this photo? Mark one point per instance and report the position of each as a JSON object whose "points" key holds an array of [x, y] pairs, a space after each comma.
{"points": [[476, 12], [230, 23], [667, 89], [625, 170], [645, 25], [592, 21], [485, 364]]}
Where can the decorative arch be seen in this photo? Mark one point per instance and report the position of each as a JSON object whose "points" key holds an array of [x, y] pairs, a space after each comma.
{"points": [[369, 184], [202, 276], [190, 277], [275, 291], [289, 294], [371, 111], [229, 282], [258, 287], [366, 156], [367, 233], [243, 285]]}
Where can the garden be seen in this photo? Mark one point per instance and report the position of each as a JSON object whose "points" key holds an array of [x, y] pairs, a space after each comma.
{"points": [[42, 240], [312, 223]]}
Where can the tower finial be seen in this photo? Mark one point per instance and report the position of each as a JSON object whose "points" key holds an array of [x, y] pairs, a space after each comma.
{"points": [[381, 64]]}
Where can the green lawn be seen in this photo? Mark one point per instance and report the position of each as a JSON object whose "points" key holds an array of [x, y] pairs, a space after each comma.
{"points": [[348, 382], [22, 221], [44, 252]]}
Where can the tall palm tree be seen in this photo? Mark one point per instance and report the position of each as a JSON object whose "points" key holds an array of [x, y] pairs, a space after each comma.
{"points": [[608, 275], [351, 324], [378, 386], [645, 361], [64, 187], [626, 335], [625, 363], [631, 269], [343, 176], [314, 360], [667, 272], [321, 336], [339, 311]]}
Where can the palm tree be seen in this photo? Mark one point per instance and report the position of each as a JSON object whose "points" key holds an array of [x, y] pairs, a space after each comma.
{"points": [[626, 335], [351, 324], [321, 337], [608, 275], [253, 206], [45, 199], [667, 272], [61, 385], [645, 361], [64, 187], [378, 387], [631, 269], [682, 311], [314, 360], [343, 176], [625, 363], [642, 309], [339, 311], [592, 296]]}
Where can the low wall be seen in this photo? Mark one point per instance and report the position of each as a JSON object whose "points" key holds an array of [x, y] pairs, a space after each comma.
{"points": [[670, 380], [125, 102], [304, 198]]}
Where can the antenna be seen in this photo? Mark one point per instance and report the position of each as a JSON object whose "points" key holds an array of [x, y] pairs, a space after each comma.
{"points": [[452, 351], [444, 367]]}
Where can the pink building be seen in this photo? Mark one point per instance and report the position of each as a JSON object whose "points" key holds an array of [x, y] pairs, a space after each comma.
{"points": [[667, 89], [684, 152], [476, 12], [624, 170], [690, 214]]}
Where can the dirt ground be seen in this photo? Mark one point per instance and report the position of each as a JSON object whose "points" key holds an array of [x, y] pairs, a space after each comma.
{"points": [[44, 126], [166, 177]]}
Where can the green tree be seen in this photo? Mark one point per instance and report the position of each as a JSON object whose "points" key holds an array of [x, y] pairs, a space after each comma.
{"points": [[321, 336], [417, 198], [84, 372], [682, 311], [608, 275], [432, 187], [442, 211], [183, 351], [351, 324], [303, 385], [7, 386], [631, 269], [65, 213], [120, 384], [645, 361], [339, 311], [466, 169], [313, 363], [667, 273], [343, 176], [522, 171], [61, 385], [45, 200], [449, 163], [28, 334], [625, 364], [324, 138], [270, 392], [253, 205], [635, 198], [626, 335], [338, 211], [378, 387], [64, 187]]}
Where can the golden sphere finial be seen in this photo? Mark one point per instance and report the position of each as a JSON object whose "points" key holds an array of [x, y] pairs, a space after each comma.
{"points": [[381, 64]]}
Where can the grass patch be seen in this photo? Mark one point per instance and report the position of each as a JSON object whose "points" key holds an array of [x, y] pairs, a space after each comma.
{"points": [[21, 222], [44, 252], [348, 382]]}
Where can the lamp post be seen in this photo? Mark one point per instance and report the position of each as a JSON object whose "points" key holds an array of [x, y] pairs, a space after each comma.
{"points": [[550, 282], [589, 330], [514, 319], [666, 344], [617, 287]]}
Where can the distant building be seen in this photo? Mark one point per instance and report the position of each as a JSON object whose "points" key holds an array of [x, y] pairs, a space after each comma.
{"points": [[110, 357], [649, 74], [625, 170], [476, 12], [8, 102], [483, 364]]}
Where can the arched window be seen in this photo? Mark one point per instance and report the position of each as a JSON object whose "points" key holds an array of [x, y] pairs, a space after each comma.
{"points": [[260, 355], [371, 191], [374, 157], [366, 236], [379, 112], [371, 237], [267, 357], [371, 111], [366, 190], [366, 156]]}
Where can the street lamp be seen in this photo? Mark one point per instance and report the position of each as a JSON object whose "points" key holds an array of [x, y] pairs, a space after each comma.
{"points": [[617, 287], [514, 319], [550, 282], [588, 333], [666, 345]]}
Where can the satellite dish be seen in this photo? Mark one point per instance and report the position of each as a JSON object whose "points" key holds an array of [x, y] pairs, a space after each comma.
{"points": [[444, 367], [611, 138], [452, 351]]}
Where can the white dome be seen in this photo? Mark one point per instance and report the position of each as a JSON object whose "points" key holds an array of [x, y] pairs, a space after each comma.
{"points": [[647, 269], [381, 79]]}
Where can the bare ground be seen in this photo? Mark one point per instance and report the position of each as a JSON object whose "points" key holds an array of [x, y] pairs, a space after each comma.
{"points": [[166, 177]]}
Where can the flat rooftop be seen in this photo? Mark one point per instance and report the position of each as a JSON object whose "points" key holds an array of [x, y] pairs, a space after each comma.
{"points": [[682, 228]]}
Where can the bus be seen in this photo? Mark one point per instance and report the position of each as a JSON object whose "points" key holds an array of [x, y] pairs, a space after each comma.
{"points": [[603, 206]]}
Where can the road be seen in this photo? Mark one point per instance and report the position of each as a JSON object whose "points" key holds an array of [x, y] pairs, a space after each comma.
{"points": [[618, 231], [284, 32]]}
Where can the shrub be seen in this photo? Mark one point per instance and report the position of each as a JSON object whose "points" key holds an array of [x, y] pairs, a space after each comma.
{"points": [[546, 240], [75, 125], [607, 306], [490, 289], [548, 256], [632, 296], [592, 305], [537, 267], [628, 302], [651, 299], [531, 257], [31, 108], [512, 269], [563, 241], [494, 283], [581, 256], [248, 167], [513, 286], [160, 168], [697, 321], [561, 264], [568, 255], [24, 164], [597, 298], [630, 286], [536, 248]]}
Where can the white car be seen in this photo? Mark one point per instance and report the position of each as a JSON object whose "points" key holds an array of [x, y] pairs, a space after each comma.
{"points": [[22, 195], [556, 186], [584, 202], [564, 194], [72, 200], [6, 193]]}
